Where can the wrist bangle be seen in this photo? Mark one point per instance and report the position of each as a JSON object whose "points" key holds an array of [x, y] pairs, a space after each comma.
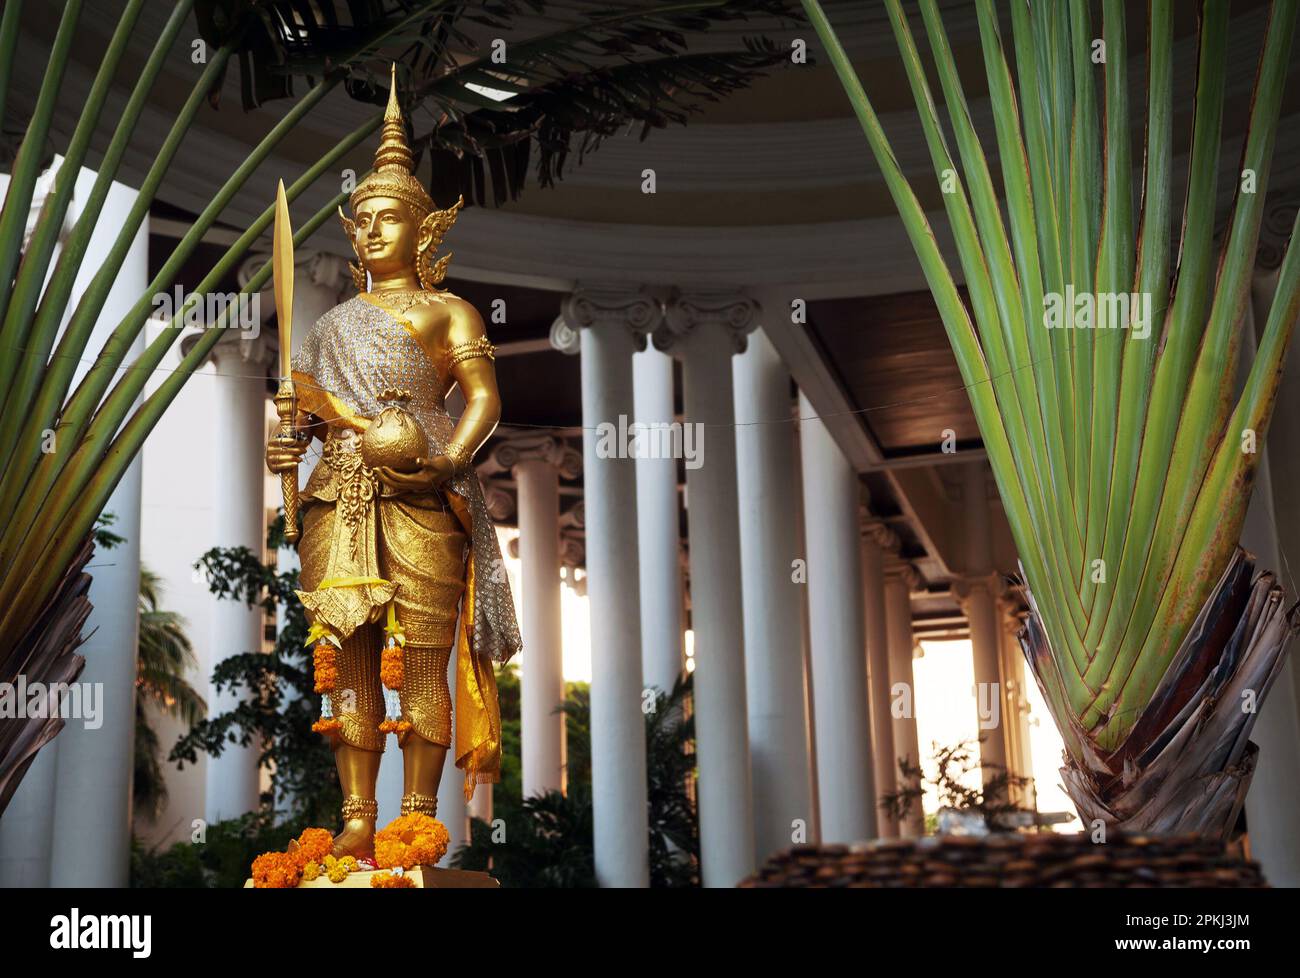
{"points": [[460, 457]]}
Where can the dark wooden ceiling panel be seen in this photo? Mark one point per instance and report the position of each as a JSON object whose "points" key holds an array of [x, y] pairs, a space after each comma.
{"points": [[893, 360]]}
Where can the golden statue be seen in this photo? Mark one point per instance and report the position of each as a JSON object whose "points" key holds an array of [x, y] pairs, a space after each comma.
{"points": [[397, 545]]}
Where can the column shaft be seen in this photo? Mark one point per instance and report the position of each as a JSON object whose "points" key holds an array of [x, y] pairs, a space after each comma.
{"points": [[836, 625], [618, 762], [543, 666], [985, 636], [658, 529], [453, 811], [725, 803], [898, 616], [774, 670], [884, 767], [239, 520]]}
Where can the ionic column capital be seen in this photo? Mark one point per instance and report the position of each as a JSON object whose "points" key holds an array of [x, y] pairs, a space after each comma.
{"points": [[606, 307], [573, 550], [237, 353], [904, 573], [554, 452], [314, 269], [964, 589], [499, 501], [575, 516], [685, 314], [878, 532]]}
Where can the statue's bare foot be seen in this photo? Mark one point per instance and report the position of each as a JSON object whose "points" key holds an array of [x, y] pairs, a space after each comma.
{"points": [[357, 839]]}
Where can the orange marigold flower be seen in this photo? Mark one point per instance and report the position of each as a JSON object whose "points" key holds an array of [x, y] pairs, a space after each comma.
{"points": [[276, 871], [390, 667], [391, 881], [325, 664], [411, 840], [315, 844], [327, 725], [388, 726]]}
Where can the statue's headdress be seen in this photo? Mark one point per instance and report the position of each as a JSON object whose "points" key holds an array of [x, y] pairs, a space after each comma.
{"points": [[392, 177]]}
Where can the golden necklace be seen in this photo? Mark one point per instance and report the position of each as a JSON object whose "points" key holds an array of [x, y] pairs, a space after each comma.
{"points": [[400, 300]]}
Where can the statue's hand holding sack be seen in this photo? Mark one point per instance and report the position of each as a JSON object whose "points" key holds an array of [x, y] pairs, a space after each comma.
{"points": [[396, 447]]}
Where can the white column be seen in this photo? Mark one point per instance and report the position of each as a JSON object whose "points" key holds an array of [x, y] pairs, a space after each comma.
{"points": [[452, 809], [708, 330], [900, 580], [239, 519], [1016, 703], [876, 538], [839, 652], [612, 325], [91, 817], [769, 546], [978, 599], [658, 528], [978, 593], [536, 462]]}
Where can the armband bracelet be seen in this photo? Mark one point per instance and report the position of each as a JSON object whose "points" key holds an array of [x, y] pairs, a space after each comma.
{"points": [[477, 347], [460, 456]]}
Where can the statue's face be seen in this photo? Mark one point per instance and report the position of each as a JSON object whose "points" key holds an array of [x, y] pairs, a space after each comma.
{"points": [[386, 235]]}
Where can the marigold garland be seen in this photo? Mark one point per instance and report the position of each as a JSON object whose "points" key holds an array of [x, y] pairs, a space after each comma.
{"points": [[391, 881], [327, 725], [390, 666], [411, 840], [325, 666], [311, 872]]}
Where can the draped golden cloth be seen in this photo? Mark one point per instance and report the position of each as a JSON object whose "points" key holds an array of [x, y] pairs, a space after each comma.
{"points": [[384, 546]]}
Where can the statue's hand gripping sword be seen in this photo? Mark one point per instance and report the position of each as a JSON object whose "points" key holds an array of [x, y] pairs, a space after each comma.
{"points": [[286, 399]]}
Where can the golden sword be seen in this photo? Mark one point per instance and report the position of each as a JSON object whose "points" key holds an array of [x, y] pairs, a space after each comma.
{"points": [[286, 399]]}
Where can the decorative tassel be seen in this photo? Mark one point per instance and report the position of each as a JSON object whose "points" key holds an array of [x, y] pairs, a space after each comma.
{"points": [[391, 670], [326, 675], [390, 661]]}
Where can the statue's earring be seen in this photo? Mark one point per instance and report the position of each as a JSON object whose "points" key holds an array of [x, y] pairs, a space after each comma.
{"points": [[357, 270], [432, 230], [431, 272]]}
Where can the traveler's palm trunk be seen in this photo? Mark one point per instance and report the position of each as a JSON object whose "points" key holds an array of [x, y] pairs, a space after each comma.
{"points": [[1102, 379]]}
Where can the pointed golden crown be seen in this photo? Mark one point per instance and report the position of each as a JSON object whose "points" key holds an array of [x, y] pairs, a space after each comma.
{"points": [[392, 176]]}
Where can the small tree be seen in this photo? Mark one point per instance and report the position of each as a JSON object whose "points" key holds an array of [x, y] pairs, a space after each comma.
{"points": [[991, 801], [549, 838], [281, 704]]}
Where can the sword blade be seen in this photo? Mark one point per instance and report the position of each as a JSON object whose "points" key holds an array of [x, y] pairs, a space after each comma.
{"points": [[282, 272]]}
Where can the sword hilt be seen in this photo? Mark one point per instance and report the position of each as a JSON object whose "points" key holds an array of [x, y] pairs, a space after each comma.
{"points": [[286, 406]]}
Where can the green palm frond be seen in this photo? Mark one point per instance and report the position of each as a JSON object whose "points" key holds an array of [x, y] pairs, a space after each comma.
{"points": [[1117, 449]]}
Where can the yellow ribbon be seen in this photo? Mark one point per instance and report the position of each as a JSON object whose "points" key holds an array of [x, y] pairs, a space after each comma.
{"points": [[394, 628], [318, 632], [349, 582]]}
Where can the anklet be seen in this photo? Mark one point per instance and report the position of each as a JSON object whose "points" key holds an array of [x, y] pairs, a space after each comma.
{"points": [[423, 804], [354, 806]]}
